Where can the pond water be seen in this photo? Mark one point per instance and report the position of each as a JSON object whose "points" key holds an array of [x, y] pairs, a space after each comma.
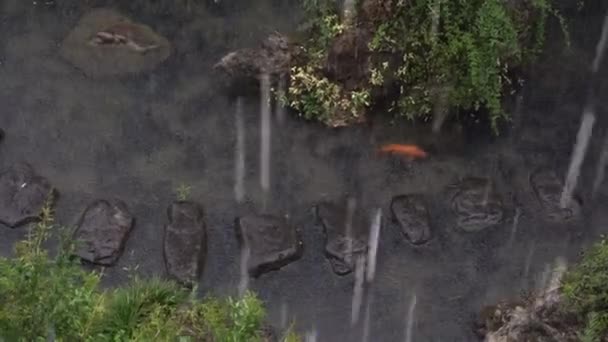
{"points": [[139, 138]]}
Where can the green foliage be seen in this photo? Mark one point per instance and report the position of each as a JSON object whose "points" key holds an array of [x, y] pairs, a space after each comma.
{"points": [[468, 48], [183, 192], [310, 92], [53, 298], [316, 97], [585, 288]]}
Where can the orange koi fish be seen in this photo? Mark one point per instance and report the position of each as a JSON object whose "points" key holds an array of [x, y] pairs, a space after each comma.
{"points": [[410, 151]]}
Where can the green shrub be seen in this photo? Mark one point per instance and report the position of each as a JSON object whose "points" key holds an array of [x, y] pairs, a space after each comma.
{"points": [[465, 48], [44, 297], [585, 288]]}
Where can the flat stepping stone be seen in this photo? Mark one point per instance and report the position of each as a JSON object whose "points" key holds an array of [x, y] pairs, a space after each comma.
{"points": [[346, 236], [548, 187], [23, 194], [185, 242], [107, 43], [272, 241], [102, 232], [476, 205], [411, 214]]}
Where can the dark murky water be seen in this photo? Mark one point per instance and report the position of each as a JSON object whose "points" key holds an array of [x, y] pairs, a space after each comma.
{"points": [[139, 138]]}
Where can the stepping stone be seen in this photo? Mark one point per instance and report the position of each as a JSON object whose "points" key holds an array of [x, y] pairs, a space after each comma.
{"points": [[412, 215], [106, 43], [272, 241], [548, 187], [185, 242], [475, 204], [102, 232], [23, 194], [346, 235]]}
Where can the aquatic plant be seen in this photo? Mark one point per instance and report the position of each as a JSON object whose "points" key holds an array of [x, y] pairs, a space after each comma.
{"points": [[467, 51], [48, 297]]}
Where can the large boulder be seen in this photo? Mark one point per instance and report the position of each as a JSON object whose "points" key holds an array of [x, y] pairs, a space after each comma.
{"points": [[272, 57], [102, 231], [106, 43], [476, 204], [412, 215], [346, 235], [272, 242], [185, 242], [23, 194]]}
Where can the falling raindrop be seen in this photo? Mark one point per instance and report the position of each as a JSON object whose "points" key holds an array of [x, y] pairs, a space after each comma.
{"points": [[587, 122], [244, 283], [311, 336], [578, 156], [279, 108], [601, 168], [409, 326], [601, 47], [358, 290], [349, 11], [559, 268], [374, 236], [283, 315], [544, 278], [239, 164], [265, 133], [514, 226], [527, 264], [366, 319], [435, 16], [351, 206]]}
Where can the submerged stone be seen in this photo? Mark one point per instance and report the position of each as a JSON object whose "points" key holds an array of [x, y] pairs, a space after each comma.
{"points": [[272, 241], [185, 242], [345, 236], [476, 205], [102, 232], [412, 215], [548, 188], [106, 43], [23, 194]]}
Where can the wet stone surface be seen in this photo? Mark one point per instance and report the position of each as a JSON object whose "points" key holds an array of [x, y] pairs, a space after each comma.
{"points": [[185, 242], [272, 57], [22, 195], [272, 242], [412, 215], [106, 43], [345, 235], [547, 188], [475, 204], [102, 231]]}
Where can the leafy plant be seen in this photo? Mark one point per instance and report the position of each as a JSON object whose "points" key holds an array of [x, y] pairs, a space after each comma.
{"points": [[585, 288], [53, 298], [467, 48], [183, 192]]}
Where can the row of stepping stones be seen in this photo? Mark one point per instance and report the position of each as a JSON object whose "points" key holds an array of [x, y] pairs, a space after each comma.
{"points": [[272, 241]]}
